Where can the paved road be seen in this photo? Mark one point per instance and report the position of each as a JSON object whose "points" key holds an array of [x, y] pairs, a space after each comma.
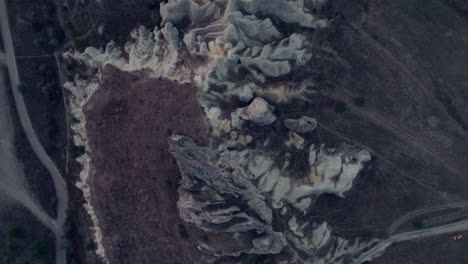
{"points": [[12, 180], [59, 182], [2, 58], [439, 230], [397, 223]]}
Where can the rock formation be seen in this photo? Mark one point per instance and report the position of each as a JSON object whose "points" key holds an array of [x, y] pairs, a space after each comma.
{"points": [[234, 49], [304, 124]]}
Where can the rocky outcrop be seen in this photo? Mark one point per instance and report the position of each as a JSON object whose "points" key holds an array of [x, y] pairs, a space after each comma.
{"points": [[81, 91], [259, 112], [198, 174], [235, 186], [304, 124]]}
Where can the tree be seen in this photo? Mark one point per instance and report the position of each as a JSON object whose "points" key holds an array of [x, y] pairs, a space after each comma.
{"points": [[183, 232], [418, 224], [77, 44], [21, 88], [340, 107], [36, 25], [360, 101], [7, 260], [91, 246], [37, 251], [16, 232], [38, 43], [68, 76], [155, 17], [43, 67]]}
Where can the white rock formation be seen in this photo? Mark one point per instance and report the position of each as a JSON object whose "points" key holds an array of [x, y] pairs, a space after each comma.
{"points": [[259, 112], [82, 91], [335, 172], [321, 235], [304, 124]]}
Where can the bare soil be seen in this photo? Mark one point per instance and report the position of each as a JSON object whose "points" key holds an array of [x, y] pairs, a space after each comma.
{"points": [[134, 182]]}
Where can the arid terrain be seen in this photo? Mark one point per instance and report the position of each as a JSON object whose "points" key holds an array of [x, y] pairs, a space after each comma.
{"points": [[234, 131], [135, 180]]}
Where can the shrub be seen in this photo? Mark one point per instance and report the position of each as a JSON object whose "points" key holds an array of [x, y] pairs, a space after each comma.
{"points": [[91, 246], [7, 260], [77, 44], [155, 17], [68, 76], [360, 101], [183, 232], [72, 120], [12, 247], [37, 251], [43, 67], [36, 26], [21, 88], [418, 224], [75, 151], [340, 107], [16, 232], [38, 43]]}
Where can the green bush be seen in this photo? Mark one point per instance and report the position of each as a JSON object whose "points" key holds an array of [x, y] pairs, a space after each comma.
{"points": [[183, 232], [155, 17], [360, 101], [75, 151], [91, 246], [21, 88], [12, 247], [7, 260], [72, 120], [77, 44], [37, 251], [340, 107], [16, 233], [68, 76], [418, 224]]}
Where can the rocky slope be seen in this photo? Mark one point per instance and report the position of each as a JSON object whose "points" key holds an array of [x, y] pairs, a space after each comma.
{"points": [[244, 58]]}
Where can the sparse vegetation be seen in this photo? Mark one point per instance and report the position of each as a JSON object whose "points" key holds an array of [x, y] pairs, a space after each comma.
{"points": [[360, 101], [340, 107], [155, 17], [418, 224], [16, 233], [75, 151], [183, 232]]}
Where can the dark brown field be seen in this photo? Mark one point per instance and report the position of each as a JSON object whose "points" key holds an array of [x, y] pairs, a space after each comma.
{"points": [[134, 184]]}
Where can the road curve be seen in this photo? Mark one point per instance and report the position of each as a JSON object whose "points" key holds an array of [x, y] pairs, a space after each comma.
{"points": [[397, 223], [12, 180], [406, 236], [58, 180]]}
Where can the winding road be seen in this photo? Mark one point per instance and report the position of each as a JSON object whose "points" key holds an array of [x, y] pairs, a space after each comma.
{"points": [[397, 223], [406, 236], [59, 182]]}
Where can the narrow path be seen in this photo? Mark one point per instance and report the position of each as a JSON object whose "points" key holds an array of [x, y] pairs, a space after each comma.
{"points": [[12, 179], [398, 222], [407, 236], [58, 180]]}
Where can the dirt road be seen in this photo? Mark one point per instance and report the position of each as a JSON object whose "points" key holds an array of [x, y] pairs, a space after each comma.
{"points": [[406, 236], [12, 180], [397, 223], [59, 182]]}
